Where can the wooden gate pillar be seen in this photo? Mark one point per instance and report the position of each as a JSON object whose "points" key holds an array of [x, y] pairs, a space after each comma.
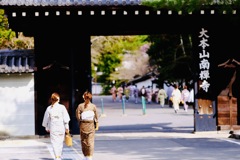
{"points": [[217, 79], [80, 74], [205, 105], [63, 65]]}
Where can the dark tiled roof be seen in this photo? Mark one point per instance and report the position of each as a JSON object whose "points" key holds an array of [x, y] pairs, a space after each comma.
{"points": [[16, 61], [68, 2], [142, 78]]}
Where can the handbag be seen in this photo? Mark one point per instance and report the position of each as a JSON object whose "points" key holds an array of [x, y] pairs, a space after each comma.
{"points": [[96, 125], [181, 103], [68, 139]]}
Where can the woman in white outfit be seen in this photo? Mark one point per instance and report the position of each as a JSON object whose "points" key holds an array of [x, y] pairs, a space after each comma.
{"points": [[56, 122], [176, 98], [185, 97]]}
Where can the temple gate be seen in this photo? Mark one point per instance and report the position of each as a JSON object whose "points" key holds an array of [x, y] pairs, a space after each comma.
{"points": [[62, 31]]}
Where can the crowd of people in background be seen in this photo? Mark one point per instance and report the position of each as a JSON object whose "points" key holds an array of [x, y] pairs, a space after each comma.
{"points": [[172, 96]]}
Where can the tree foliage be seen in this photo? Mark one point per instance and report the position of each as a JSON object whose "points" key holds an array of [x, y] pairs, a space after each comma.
{"points": [[192, 5], [8, 38], [5, 34], [134, 64], [172, 57], [108, 53]]}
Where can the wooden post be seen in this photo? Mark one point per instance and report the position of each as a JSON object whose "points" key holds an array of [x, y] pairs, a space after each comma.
{"points": [[231, 117]]}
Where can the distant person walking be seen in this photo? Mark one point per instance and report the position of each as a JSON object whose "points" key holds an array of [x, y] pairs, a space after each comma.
{"points": [[143, 92], [120, 93], [162, 95], [155, 96], [132, 90], [113, 91], [86, 114], [190, 100], [169, 94], [136, 93], [149, 94], [185, 97], [176, 98], [127, 92], [56, 122]]}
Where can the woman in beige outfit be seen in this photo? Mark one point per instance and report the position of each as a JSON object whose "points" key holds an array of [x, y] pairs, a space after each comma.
{"points": [[86, 114], [176, 98], [162, 95]]}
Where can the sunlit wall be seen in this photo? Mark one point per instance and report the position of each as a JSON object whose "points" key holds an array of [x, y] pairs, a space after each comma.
{"points": [[17, 117]]}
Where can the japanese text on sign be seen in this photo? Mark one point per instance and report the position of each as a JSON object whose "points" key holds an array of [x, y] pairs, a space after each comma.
{"points": [[204, 64]]}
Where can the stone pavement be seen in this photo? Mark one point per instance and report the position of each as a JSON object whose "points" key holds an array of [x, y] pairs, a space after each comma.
{"points": [[117, 121], [36, 148], [157, 120]]}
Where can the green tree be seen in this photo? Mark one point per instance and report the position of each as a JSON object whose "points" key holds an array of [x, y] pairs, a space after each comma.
{"points": [[107, 55], [8, 38], [192, 5], [6, 34], [171, 56]]}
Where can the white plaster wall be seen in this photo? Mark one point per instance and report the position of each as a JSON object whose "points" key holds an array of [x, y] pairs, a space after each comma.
{"points": [[17, 114]]}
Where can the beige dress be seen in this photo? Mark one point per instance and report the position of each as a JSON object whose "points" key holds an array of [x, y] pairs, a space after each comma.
{"points": [[86, 117], [162, 95], [176, 98]]}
